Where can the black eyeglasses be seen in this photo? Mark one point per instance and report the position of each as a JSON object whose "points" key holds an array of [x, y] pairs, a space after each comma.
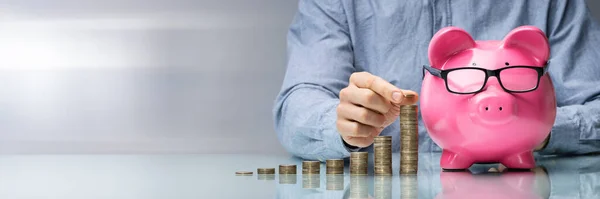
{"points": [[469, 80]]}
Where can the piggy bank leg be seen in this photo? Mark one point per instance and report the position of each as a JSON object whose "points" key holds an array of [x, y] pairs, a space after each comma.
{"points": [[454, 161], [523, 160]]}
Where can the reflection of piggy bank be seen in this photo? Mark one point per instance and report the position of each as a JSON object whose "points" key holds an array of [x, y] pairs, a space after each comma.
{"points": [[488, 101], [508, 185]]}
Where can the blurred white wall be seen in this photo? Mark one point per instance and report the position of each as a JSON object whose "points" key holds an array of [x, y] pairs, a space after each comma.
{"points": [[142, 76], [137, 76]]}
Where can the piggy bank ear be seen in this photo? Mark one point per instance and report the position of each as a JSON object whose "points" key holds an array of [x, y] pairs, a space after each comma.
{"points": [[529, 40], [446, 43]]}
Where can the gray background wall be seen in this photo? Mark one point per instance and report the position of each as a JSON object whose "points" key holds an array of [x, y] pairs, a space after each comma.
{"points": [[141, 76], [137, 76]]}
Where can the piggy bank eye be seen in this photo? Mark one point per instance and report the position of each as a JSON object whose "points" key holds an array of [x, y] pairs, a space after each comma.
{"points": [[506, 63]]}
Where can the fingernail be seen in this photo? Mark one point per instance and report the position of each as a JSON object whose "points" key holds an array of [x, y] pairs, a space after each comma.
{"points": [[396, 96]]}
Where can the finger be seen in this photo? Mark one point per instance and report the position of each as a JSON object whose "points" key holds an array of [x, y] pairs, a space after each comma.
{"points": [[378, 85], [377, 132], [366, 98], [392, 115], [361, 115], [362, 141], [358, 142], [354, 129], [409, 98]]}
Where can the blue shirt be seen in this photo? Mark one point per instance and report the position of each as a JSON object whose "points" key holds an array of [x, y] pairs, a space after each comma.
{"points": [[329, 40]]}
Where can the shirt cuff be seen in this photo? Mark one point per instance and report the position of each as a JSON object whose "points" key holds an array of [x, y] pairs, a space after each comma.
{"points": [[334, 144], [564, 137]]}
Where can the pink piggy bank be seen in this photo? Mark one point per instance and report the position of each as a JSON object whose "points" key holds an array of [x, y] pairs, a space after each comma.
{"points": [[488, 101]]}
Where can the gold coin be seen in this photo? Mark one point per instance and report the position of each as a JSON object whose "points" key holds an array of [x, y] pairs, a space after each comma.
{"points": [[334, 162], [383, 138], [359, 154], [306, 164], [409, 106], [243, 172]]}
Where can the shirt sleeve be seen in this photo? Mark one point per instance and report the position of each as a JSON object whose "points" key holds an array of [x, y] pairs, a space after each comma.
{"points": [[320, 62], [574, 68]]}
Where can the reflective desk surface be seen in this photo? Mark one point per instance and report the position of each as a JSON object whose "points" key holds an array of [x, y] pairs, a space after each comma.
{"points": [[213, 176]]}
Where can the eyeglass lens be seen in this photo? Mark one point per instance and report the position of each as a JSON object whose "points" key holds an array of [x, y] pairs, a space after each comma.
{"points": [[465, 80], [472, 80], [519, 79]]}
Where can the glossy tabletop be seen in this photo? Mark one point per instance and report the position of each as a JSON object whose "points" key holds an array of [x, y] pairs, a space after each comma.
{"points": [[213, 176]]}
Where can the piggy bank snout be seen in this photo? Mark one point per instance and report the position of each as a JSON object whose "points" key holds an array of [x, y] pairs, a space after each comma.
{"points": [[493, 108]]}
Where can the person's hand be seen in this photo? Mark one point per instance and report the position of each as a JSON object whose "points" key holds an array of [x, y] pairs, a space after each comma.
{"points": [[367, 106]]}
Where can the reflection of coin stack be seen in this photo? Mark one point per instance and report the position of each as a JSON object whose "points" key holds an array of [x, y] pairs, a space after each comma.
{"points": [[383, 187], [311, 167], [383, 155], [359, 187], [409, 138], [311, 181], [409, 188], [287, 179], [359, 163], [265, 176], [335, 182], [335, 166]]}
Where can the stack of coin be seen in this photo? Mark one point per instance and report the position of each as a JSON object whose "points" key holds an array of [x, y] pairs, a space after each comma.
{"points": [[409, 138], [311, 167], [335, 166], [335, 182], [311, 181], [383, 187], [243, 173], [383, 155], [265, 170], [359, 163], [409, 187], [287, 169]]}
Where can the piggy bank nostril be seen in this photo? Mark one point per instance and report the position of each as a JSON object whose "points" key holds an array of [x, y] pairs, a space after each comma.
{"points": [[486, 108], [500, 108]]}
